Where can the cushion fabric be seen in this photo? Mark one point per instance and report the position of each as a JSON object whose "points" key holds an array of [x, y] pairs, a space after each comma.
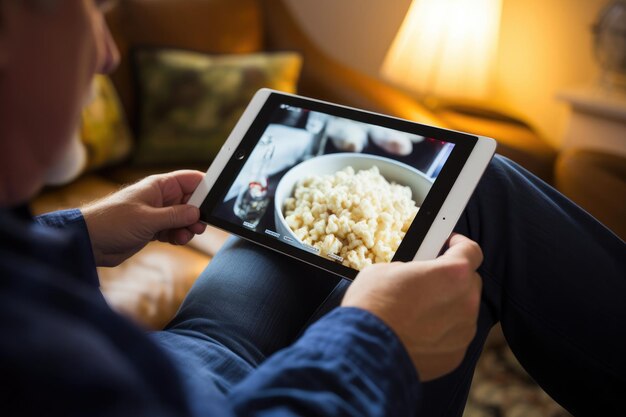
{"points": [[104, 130], [210, 26], [190, 102]]}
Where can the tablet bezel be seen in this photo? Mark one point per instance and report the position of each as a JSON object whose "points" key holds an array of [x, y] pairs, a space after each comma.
{"points": [[438, 214]]}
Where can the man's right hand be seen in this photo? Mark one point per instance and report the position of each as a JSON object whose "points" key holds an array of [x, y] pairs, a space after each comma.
{"points": [[431, 305]]}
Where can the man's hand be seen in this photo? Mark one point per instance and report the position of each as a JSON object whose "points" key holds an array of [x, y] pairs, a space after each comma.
{"points": [[431, 305], [154, 208]]}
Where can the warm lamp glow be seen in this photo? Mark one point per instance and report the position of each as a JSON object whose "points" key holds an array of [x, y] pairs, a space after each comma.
{"points": [[446, 48]]}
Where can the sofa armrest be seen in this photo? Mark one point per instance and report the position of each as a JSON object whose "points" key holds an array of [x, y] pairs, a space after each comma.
{"points": [[329, 80]]}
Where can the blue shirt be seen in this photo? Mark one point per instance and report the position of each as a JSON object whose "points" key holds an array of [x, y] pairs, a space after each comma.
{"points": [[64, 352]]}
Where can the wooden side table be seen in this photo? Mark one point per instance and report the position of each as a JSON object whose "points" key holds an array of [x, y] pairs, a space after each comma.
{"points": [[597, 120]]}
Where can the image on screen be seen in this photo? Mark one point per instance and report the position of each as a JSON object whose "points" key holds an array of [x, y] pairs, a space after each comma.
{"points": [[339, 188]]}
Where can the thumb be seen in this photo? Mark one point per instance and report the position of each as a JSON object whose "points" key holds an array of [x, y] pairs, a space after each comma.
{"points": [[174, 217]]}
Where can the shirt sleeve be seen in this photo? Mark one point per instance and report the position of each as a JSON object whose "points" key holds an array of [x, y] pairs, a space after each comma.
{"points": [[73, 222], [349, 363]]}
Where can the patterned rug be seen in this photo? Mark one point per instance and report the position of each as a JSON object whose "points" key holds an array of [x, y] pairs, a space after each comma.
{"points": [[501, 388]]}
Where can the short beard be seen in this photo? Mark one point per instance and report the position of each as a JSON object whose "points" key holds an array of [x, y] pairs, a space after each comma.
{"points": [[69, 165]]}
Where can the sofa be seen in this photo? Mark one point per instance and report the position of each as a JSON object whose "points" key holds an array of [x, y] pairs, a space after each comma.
{"points": [[161, 274], [149, 287]]}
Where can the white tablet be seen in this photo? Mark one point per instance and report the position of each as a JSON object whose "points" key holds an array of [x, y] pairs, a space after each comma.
{"points": [[337, 187]]}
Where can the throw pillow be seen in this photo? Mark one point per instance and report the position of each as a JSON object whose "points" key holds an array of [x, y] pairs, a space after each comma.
{"points": [[189, 102], [104, 130]]}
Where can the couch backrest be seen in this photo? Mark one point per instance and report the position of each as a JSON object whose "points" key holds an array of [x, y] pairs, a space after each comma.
{"points": [[212, 26]]}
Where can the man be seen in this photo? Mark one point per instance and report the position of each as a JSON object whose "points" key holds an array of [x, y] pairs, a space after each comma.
{"points": [[250, 338]]}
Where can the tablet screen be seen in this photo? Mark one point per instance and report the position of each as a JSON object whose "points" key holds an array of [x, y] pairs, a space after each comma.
{"points": [[335, 186]]}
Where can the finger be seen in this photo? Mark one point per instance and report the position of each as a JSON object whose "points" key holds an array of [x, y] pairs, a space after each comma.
{"points": [[197, 228], [174, 186], [182, 236], [173, 237], [188, 180], [460, 246], [173, 217], [176, 237], [163, 236]]}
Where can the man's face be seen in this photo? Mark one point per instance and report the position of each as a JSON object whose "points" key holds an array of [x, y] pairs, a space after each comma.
{"points": [[49, 53]]}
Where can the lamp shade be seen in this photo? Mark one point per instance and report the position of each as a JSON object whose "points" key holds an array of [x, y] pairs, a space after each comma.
{"points": [[446, 48]]}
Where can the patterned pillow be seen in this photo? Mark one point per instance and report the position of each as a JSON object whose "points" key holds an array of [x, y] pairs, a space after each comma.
{"points": [[104, 130], [189, 102]]}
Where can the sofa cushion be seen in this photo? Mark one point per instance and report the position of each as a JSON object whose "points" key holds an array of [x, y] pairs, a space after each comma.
{"points": [[150, 286], [104, 130], [213, 26], [189, 102]]}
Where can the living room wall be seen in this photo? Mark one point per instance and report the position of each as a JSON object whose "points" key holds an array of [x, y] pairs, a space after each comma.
{"points": [[545, 46]]}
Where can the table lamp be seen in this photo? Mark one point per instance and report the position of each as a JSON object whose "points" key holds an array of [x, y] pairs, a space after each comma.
{"points": [[445, 49]]}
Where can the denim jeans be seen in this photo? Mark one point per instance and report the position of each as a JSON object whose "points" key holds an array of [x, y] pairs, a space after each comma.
{"points": [[552, 275]]}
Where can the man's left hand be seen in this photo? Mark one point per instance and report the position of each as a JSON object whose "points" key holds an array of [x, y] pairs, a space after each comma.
{"points": [[153, 209]]}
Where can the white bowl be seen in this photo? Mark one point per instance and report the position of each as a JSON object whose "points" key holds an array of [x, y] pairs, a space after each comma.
{"points": [[393, 171]]}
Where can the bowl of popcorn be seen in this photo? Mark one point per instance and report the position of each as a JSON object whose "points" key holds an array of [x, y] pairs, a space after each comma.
{"points": [[349, 207]]}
